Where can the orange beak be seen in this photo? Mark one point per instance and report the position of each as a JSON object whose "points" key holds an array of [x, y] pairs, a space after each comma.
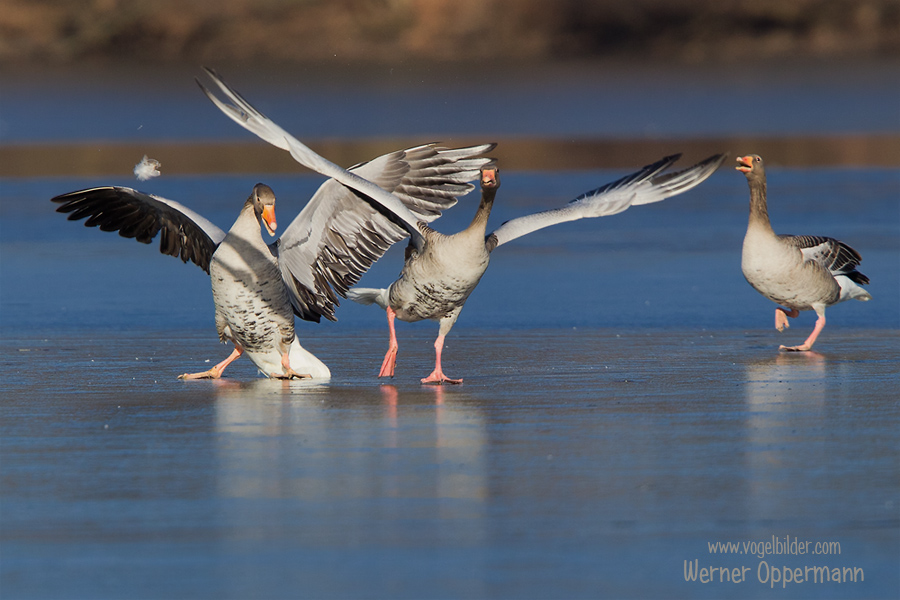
{"points": [[269, 221], [745, 164], [489, 177]]}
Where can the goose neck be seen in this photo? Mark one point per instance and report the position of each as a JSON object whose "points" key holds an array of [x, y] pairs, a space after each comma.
{"points": [[759, 212], [479, 221]]}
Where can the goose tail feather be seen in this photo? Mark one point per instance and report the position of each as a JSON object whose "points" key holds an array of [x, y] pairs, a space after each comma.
{"points": [[369, 296]]}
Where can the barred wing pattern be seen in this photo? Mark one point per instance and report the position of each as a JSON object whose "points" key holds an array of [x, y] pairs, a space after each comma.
{"points": [[244, 114], [834, 255], [341, 233], [183, 233]]}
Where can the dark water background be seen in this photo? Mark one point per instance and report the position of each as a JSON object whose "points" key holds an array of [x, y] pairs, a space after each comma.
{"points": [[581, 100], [624, 402]]}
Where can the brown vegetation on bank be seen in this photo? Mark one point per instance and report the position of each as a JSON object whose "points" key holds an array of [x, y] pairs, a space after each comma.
{"points": [[384, 31]]}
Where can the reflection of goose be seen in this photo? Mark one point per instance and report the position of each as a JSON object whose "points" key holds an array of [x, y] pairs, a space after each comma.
{"points": [[801, 272], [785, 410], [283, 439], [437, 279], [270, 388], [258, 288]]}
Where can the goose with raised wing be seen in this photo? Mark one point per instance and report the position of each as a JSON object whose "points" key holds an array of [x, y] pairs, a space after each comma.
{"points": [[799, 272], [441, 271], [437, 279], [258, 288]]}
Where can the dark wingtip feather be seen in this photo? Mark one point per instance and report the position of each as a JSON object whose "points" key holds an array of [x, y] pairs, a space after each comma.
{"points": [[138, 216], [857, 277]]}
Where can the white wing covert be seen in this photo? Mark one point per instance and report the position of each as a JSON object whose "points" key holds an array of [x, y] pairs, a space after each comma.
{"points": [[645, 186]]}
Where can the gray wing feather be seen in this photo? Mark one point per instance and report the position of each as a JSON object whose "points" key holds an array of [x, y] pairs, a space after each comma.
{"points": [[183, 233], [428, 178], [245, 115], [343, 230], [834, 255], [645, 186], [338, 235]]}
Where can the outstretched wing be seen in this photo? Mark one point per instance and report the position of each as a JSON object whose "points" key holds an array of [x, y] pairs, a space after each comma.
{"points": [[337, 236], [135, 214], [648, 185], [354, 217], [834, 255], [243, 113]]}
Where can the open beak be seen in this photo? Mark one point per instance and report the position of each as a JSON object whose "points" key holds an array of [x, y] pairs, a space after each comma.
{"points": [[269, 221], [489, 177], [745, 164]]}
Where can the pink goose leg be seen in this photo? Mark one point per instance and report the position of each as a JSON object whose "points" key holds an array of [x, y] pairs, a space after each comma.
{"points": [[216, 371], [437, 376], [820, 323], [781, 315], [390, 359], [287, 371]]}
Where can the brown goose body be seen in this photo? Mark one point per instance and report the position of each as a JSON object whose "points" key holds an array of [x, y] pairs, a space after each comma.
{"points": [[258, 288], [776, 268], [799, 272], [441, 271], [436, 281], [438, 276]]}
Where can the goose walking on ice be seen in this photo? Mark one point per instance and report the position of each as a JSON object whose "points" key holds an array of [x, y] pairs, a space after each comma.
{"points": [[259, 287], [648, 185], [436, 281], [438, 277], [799, 272]]}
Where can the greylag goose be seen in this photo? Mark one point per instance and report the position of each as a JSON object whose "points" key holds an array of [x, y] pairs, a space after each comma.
{"points": [[436, 281], [648, 185], [258, 287], [437, 278], [799, 272]]}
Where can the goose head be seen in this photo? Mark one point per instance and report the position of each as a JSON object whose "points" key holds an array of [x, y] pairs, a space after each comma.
{"points": [[263, 199], [490, 177], [751, 166]]}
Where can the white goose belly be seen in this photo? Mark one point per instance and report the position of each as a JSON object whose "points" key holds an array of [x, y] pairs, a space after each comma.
{"points": [[428, 289], [780, 273], [252, 306]]}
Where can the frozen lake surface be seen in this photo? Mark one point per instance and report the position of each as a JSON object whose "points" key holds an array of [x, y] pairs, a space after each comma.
{"points": [[569, 464], [624, 403]]}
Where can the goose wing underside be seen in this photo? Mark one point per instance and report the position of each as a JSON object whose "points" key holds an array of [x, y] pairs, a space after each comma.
{"points": [[339, 235], [649, 184], [183, 233]]}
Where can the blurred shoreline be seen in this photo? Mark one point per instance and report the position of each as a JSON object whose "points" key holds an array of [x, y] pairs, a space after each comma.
{"points": [[98, 158], [44, 32]]}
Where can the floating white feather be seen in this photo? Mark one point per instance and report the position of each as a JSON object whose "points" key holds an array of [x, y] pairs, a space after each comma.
{"points": [[146, 169]]}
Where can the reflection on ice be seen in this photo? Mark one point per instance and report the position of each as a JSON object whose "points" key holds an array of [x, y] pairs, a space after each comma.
{"points": [[776, 377], [784, 394], [295, 439]]}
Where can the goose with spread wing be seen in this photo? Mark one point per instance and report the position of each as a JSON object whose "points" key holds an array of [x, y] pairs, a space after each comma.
{"points": [[799, 272], [259, 287], [437, 279], [424, 254]]}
